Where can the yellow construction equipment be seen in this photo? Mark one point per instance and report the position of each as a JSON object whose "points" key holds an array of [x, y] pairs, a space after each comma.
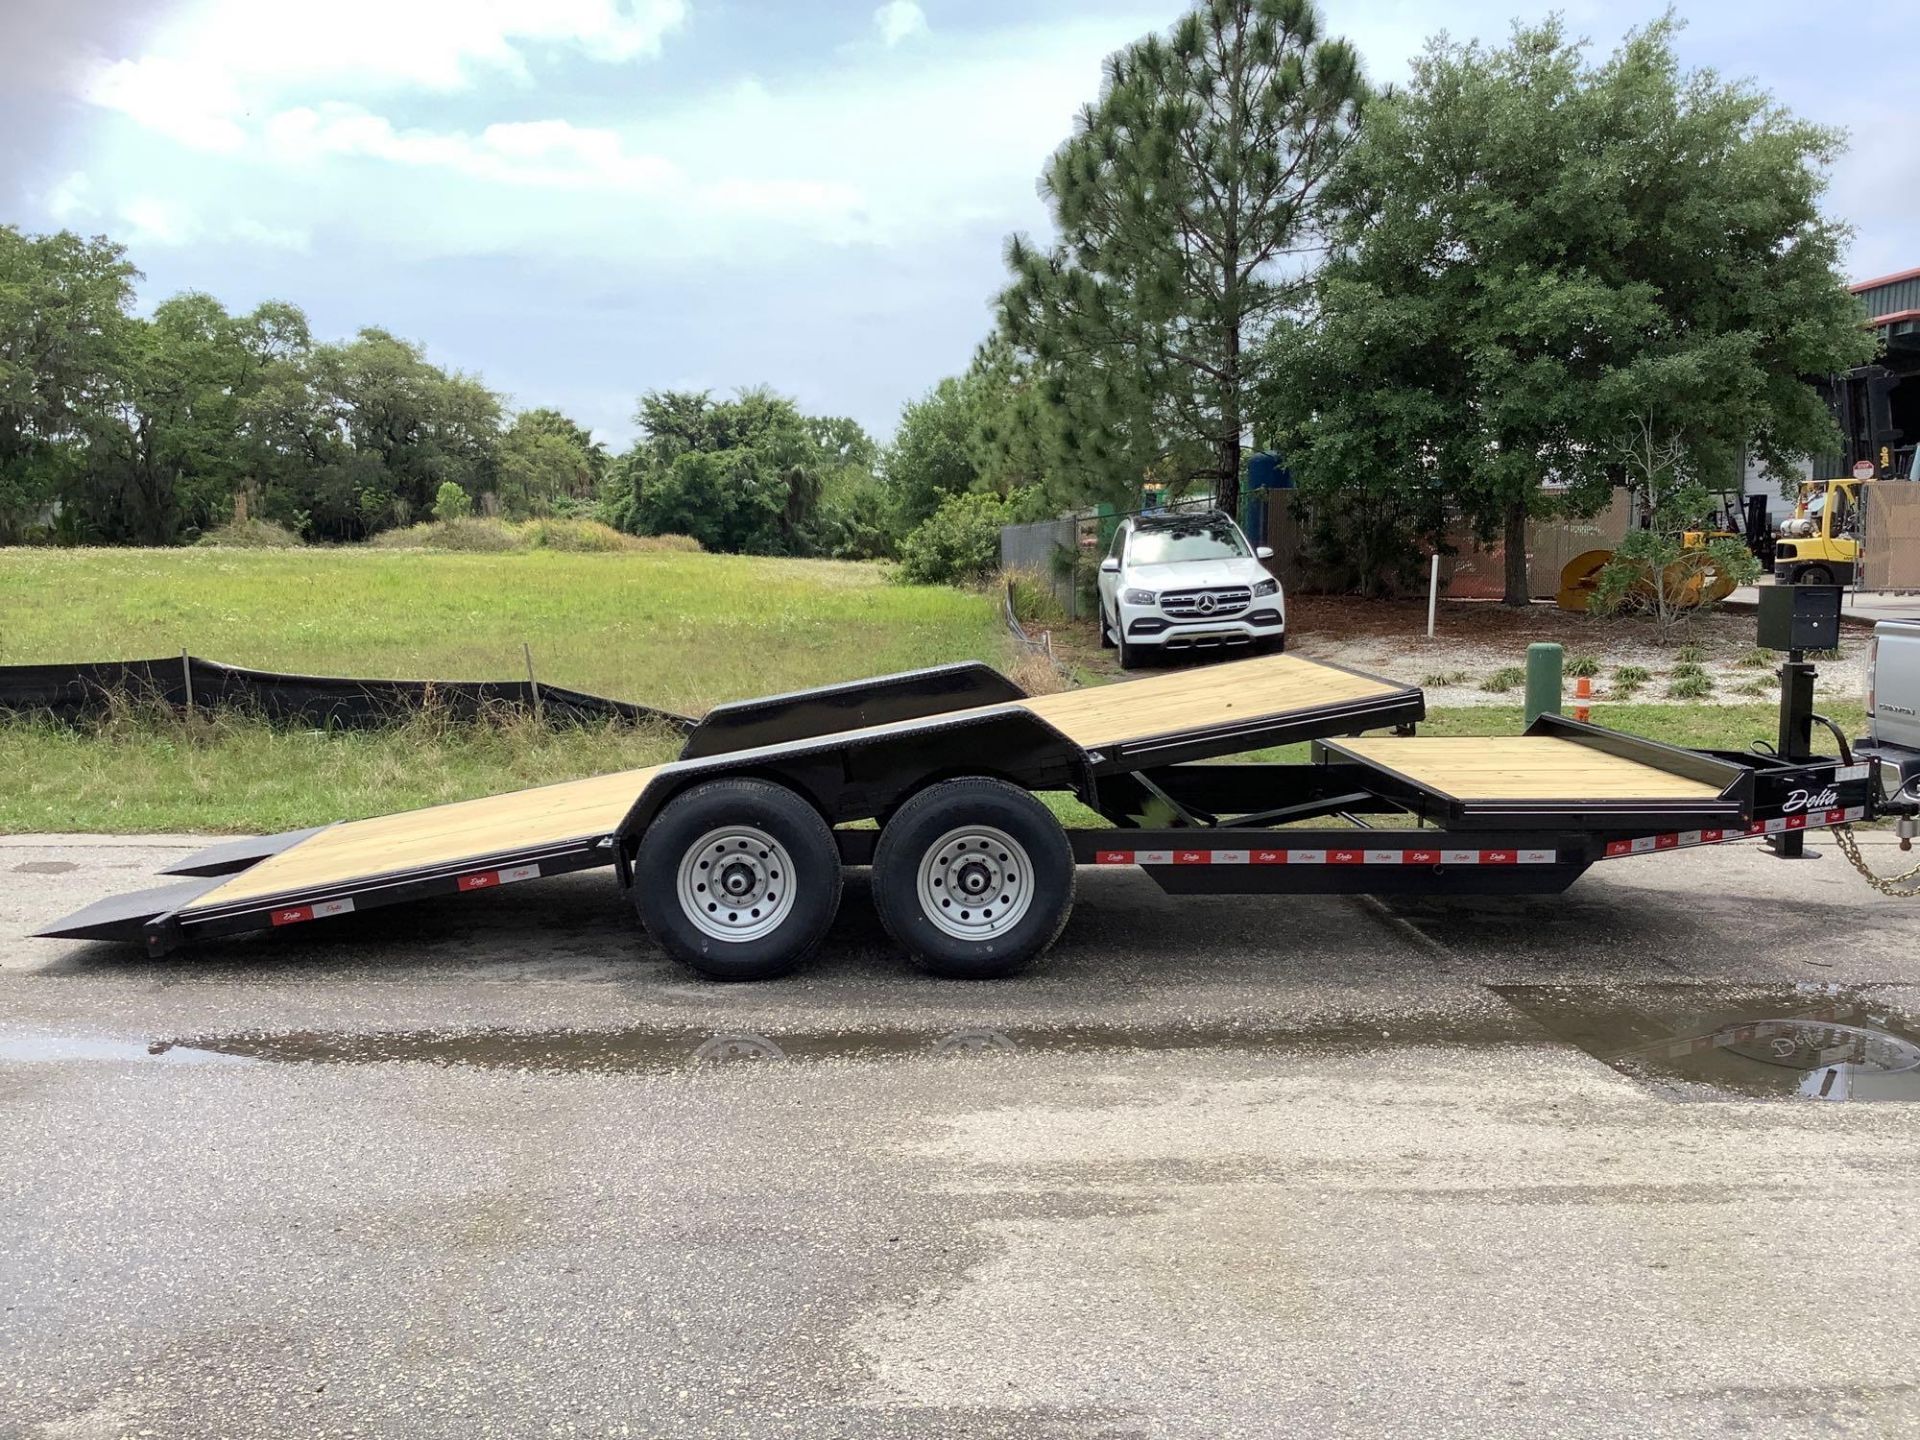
{"points": [[1693, 579]]}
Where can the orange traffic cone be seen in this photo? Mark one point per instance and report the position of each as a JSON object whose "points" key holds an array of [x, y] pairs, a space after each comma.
{"points": [[1583, 697]]}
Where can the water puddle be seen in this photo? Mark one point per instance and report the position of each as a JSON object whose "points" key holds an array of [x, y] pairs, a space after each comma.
{"points": [[1689, 1042], [634, 1049], [1804, 1042]]}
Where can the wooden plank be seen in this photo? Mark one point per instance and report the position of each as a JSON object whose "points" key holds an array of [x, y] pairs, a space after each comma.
{"points": [[1520, 767], [1135, 710], [441, 835]]}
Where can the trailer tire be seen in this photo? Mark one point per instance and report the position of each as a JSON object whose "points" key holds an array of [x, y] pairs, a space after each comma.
{"points": [[778, 859], [1018, 864]]}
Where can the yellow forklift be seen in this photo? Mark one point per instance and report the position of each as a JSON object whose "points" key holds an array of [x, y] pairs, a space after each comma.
{"points": [[1819, 544]]}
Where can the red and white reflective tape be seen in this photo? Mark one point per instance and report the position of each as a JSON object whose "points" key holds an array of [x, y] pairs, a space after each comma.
{"points": [[487, 879], [319, 910], [1779, 825], [1325, 857]]}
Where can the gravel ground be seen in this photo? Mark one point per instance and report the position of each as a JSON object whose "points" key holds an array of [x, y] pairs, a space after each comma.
{"points": [[1475, 639], [1220, 1168]]}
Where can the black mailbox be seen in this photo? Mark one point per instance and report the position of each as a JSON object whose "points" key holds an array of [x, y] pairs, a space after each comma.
{"points": [[1800, 617]]}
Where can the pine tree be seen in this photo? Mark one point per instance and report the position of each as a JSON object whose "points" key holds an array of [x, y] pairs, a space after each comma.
{"points": [[1182, 203]]}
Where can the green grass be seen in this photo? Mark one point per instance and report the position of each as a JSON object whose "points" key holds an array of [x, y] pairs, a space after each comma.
{"points": [[139, 775], [678, 630], [147, 775]]}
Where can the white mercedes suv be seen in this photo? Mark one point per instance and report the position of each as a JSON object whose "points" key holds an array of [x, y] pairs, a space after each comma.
{"points": [[1175, 582]]}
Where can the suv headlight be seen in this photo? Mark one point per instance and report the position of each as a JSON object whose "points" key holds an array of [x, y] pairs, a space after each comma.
{"points": [[1266, 587], [1140, 597]]}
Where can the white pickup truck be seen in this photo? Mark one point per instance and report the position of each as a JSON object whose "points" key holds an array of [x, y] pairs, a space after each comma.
{"points": [[1893, 702]]}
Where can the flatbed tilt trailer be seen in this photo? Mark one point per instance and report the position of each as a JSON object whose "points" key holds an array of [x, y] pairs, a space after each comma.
{"points": [[733, 852]]}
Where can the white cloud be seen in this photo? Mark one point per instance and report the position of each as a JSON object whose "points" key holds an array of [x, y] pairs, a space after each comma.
{"points": [[151, 220], [70, 198], [224, 59], [899, 20], [547, 154], [902, 153]]}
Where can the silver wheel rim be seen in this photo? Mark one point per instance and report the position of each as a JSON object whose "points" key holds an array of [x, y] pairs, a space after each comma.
{"points": [[736, 884], [975, 883]]}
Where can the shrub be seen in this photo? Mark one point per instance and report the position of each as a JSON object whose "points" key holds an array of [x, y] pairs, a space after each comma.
{"points": [[450, 502], [1445, 677], [1690, 654], [1687, 670], [676, 544], [1504, 679], [1759, 685], [959, 543], [251, 535], [1627, 679], [1583, 666], [1756, 659], [1689, 687], [471, 534], [480, 535], [1034, 602], [575, 535]]}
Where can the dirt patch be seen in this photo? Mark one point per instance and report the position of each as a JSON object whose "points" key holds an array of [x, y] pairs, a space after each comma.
{"points": [[1476, 639]]}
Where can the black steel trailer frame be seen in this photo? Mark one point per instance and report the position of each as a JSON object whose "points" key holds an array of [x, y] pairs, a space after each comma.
{"points": [[857, 753]]}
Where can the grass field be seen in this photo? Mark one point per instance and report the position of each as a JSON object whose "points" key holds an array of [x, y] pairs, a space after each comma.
{"points": [[680, 631]]}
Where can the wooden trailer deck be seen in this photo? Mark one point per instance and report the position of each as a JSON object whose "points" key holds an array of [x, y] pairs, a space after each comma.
{"points": [[582, 810], [1519, 767], [440, 835], [1136, 711]]}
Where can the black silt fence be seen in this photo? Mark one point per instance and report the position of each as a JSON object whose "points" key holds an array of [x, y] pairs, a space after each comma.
{"points": [[74, 693]]}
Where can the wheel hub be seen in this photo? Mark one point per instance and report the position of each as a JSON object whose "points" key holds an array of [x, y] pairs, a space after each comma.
{"points": [[975, 882], [736, 884]]}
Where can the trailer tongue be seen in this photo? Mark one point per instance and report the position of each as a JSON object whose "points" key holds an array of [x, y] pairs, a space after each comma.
{"points": [[732, 859]]}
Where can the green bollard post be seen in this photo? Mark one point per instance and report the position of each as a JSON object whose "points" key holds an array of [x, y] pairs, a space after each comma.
{"points": [[1543, 680]]}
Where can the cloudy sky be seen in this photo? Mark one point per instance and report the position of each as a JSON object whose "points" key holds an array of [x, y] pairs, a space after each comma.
{"points": [[584, 199]]}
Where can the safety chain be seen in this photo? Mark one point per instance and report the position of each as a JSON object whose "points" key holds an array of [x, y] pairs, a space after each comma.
{"points": [[1894, 885]]}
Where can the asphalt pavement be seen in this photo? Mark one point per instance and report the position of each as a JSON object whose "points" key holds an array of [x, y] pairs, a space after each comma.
{"points": [[493, 1166]]}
